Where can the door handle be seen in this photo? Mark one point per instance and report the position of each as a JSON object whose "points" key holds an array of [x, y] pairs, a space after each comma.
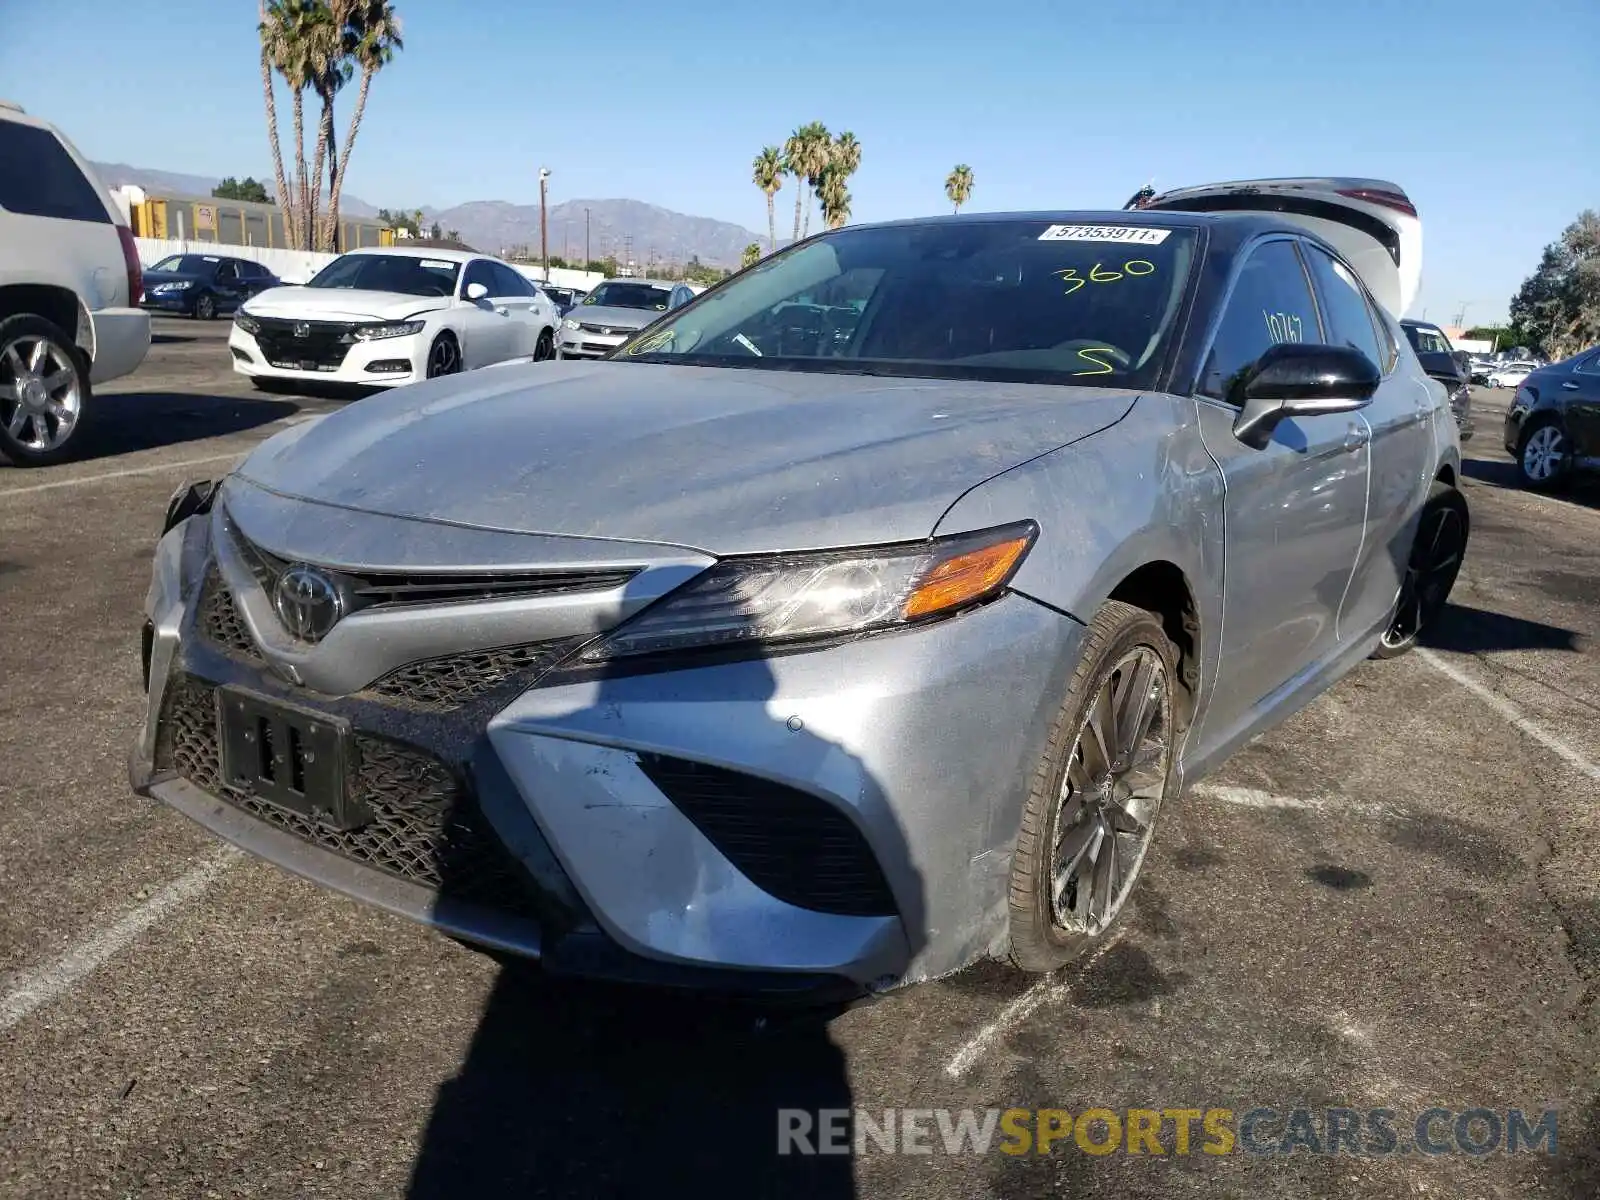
{"points": [[1568, 385], [1356, 437]]}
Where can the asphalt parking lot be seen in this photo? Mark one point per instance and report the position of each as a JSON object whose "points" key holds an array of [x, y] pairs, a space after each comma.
{"points": [[1393, 901]]}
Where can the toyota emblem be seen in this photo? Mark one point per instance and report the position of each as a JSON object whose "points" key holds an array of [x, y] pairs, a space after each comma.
{"points": [[302, 329], [307, 602]]}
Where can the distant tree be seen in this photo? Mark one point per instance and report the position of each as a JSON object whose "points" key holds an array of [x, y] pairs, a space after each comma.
{"points": [[609, 266], [402, 218], [1558, 306], [767, 173], [597, 266], [451, 235], [751, 255], [242, 189], [558, 262], [435, 232], [958, 185], [805, 154]]}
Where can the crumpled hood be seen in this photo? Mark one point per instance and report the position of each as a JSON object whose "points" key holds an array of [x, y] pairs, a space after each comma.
{"points": [[724, 460], [617, 318], [341, 304]]}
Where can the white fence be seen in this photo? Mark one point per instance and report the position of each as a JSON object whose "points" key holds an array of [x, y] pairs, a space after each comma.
{"points": [[297, 266]]}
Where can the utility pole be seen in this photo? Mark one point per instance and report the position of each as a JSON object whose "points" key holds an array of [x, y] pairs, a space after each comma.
{"points": [[544, 239], [586, 258]]}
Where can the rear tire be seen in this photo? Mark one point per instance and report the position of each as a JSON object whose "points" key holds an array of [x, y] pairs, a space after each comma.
{"points": [[42, 422], [1105, 772], [1431, 570]]}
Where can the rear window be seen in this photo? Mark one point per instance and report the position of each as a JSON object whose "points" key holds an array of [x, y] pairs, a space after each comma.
{"points": [[1425, 340], [39, 179]]}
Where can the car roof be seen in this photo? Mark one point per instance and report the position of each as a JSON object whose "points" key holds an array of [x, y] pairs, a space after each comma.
{"points": [[455, 256]]}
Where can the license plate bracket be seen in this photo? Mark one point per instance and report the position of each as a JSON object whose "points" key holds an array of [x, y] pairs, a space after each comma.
{"points": [[294, 758]]}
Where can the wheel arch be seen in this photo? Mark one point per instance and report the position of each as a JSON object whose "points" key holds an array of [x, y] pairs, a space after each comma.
{"points": [[1162, 587], [59, 305]]}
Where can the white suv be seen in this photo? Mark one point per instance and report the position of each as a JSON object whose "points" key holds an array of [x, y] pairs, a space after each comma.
{"points": [[70, 283]]}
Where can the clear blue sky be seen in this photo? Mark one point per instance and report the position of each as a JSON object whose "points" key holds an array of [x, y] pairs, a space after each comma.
{"points": [[1487, 113]]}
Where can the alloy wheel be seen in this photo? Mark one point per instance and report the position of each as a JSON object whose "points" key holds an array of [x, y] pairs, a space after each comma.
{"points": [[1115, 781], [444, 358], [1431, 573], [205, 308], [40, 395], [1545, 454]]}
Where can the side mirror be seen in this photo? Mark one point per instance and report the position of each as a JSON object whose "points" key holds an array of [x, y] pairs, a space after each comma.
{"points": [[476, 292], [1440, 363], [1293, 379]]}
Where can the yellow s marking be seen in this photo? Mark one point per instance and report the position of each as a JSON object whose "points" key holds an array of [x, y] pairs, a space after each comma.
{"points": [[1088, 355]]}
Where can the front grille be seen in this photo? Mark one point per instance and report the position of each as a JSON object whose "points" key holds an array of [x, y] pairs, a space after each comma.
{"points": [[321, 349], [425, 826], [789, 843], [603, 330], [220, 622], [453, 680]]}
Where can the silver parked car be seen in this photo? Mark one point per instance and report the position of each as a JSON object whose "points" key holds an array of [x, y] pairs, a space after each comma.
{"points": [[853, 623], [612, 313]]}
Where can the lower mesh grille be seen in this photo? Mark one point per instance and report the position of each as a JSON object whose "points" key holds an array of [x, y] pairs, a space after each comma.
{"points": [[220, 622], [789, 843], [425, 827]]}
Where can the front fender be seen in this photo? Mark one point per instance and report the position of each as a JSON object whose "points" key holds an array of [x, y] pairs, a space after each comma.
{"points": [[1142, 491]]}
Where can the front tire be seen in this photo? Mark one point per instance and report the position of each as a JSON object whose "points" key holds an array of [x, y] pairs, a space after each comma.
{"points": [[1431, 569], [1544, 456], [44, 392], [1095, 796], [205, 307], [444, 356], [545, 349]]}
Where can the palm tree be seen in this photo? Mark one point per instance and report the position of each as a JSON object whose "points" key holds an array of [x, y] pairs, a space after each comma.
{"points": [[372, 38], [958, 186], [286, 38], [817, 155], [323, 34], [794, 153], [751, 255], [767, 172], [269, 33], [847, 153], [834, 197]]}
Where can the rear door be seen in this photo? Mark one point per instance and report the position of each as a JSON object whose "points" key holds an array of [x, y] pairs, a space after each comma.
{"points": [[1402, 453], [1370, 222], [1294, 510], [1580, 396]]}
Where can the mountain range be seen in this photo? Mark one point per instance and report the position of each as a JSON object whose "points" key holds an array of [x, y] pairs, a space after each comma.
{"points": [[647, 232]]}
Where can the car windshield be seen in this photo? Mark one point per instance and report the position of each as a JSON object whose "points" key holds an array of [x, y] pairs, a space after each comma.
{"points": [[1012, 300], [630, 295], [403, 273], [187, 264]]}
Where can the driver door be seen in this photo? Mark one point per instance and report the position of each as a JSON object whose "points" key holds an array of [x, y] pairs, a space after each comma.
{"points": [[1293, 511], [487, 333]]}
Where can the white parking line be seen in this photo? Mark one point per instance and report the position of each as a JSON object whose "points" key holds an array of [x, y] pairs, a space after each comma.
{"points": [[1514, 715], [1046, 990], [104, 475], [30, 989]]}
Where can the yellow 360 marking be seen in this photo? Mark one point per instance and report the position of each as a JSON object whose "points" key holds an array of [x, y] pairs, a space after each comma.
{"points": [[1137, 268]]}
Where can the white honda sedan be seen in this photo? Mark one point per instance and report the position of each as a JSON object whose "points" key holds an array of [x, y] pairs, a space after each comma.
{"points": [[391, 315]]}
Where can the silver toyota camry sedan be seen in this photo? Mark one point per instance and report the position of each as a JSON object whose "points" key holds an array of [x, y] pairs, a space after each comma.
{"points": [[851, 623]]}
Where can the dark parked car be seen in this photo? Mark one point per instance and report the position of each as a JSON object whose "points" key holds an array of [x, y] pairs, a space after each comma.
{"points": [[1446, 365], [564, 298], [1553, 424], [203, 285]]}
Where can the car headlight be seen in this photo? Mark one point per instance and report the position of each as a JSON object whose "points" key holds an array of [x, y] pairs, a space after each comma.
{"points": [[162, 288], [392, 329], [572, 325], [246, 322], [781, 598]]}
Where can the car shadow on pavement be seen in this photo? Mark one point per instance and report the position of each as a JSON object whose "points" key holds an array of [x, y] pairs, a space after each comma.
{"points": [[128, 421], [1475, 630], [603, 1089], [1581, 490]]}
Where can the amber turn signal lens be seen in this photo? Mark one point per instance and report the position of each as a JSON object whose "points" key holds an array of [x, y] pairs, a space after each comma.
{"points": [[964, 578]]}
